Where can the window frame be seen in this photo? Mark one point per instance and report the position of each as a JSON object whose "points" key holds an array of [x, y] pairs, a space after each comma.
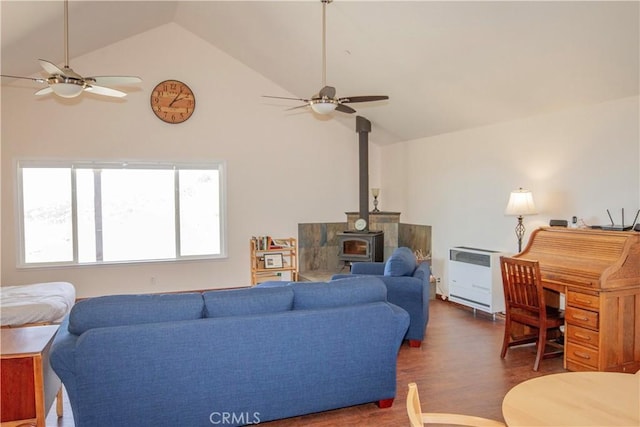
{"points": [[73, 165]]}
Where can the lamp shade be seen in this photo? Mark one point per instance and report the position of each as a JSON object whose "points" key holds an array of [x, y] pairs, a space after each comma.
{"points": [[520, 203]]}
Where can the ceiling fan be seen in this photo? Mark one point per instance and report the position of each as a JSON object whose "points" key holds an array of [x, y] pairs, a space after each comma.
{"points": [[66, 83], [325, 101]]}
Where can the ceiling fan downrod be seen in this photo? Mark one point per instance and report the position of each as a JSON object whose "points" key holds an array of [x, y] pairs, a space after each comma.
{"points": [[66, 33], [324, 41]]}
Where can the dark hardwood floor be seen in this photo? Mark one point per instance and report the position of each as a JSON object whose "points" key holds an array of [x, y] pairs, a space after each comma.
{"points": [[458, 369]]}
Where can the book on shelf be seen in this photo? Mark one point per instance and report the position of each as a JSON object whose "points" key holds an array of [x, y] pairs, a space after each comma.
{"points": [[261, 242], [264, 243], [279, 244]]}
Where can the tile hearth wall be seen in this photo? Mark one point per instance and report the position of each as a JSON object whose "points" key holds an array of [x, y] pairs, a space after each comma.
{"points": [[318, 246], [318, 243]]}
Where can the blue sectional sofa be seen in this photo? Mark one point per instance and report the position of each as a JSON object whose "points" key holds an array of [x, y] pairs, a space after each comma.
{"points": [[230, 357], [408, 285]]}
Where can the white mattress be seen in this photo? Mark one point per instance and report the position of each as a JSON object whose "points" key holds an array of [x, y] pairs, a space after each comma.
{"points": [[37, 303]]}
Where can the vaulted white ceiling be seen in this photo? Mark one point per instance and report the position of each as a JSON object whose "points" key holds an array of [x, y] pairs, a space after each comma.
{"points": [[446, 66]]}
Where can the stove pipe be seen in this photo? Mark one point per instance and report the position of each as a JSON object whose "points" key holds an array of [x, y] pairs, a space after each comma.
{"points": [[363, 127]]}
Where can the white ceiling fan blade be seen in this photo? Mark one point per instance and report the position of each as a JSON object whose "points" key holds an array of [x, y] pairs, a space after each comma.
{"points": [[50, 67], [115, 80], [101, 90], [44, 91]]}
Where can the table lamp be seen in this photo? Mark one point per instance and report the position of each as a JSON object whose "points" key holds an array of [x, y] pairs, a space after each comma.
{"points": [[520, 204], [375, 192]]}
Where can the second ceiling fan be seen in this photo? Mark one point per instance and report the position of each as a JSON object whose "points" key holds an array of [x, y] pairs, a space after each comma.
{"points": [[66, 83], [325, 101]]}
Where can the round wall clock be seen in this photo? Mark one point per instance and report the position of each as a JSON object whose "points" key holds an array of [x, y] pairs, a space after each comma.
{"points": [[172, 101]]}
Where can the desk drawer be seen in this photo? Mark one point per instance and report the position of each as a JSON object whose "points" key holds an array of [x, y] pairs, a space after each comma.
{"points": [[583, 355], [584, 318], [577, 299], [582, 336]]}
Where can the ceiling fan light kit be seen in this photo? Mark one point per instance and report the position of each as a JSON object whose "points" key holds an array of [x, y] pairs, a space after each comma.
{"points": [[66, 83], [326, 101], [322, 106], [67, 89]]}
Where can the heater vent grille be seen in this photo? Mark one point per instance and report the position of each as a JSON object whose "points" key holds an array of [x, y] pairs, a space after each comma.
{"points": [[470, 257]]}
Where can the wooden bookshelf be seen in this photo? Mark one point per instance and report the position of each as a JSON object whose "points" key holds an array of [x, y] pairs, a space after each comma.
{"points": [[273, 259]]}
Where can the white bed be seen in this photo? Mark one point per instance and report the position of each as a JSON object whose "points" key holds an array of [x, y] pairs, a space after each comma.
{"points": [[36, 303]]}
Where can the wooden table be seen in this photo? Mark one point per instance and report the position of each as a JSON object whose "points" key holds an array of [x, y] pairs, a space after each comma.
{"points": [[575, 399], [28, 385]]}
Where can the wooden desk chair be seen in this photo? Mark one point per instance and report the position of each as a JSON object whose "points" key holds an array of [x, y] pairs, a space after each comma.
{"points": [[525, 304], [417, 418]]}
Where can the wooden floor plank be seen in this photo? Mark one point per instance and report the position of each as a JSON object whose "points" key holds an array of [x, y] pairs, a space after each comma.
{"points": [[458, 369]]}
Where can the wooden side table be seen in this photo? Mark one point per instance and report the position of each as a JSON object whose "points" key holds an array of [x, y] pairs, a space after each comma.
{"points": [[28, 385]]}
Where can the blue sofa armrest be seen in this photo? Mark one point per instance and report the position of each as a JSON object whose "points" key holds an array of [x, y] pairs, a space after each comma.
{"points": [[408, 292], [63, 359], [412, 294]]}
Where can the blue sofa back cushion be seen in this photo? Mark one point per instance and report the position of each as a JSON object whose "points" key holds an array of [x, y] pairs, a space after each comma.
{"points": [[338, 293], [119, 310], [243, 302], [402, 262]]}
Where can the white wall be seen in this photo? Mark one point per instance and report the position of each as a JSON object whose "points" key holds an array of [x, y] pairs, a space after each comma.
{"points": [[283, 168], [286, 168], [578, 162]]}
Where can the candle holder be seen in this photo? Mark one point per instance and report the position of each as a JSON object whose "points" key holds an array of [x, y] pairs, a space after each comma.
{"points": [[375, 192]]}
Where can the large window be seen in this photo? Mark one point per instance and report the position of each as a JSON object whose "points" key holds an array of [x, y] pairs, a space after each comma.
{"points": [[87, 213]]}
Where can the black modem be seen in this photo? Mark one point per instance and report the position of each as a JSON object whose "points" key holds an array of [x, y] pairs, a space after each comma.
{"points": [[622, 227]]}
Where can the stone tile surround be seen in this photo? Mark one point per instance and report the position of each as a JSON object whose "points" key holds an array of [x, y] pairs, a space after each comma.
{"points": [[318, 242]]}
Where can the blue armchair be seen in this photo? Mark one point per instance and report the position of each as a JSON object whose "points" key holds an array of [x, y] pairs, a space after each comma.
{"points": [[407, 285]]}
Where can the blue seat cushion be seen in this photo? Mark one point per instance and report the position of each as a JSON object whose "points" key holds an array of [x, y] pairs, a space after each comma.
{"points": [[244, 302], [120, 310], [402, 262]]}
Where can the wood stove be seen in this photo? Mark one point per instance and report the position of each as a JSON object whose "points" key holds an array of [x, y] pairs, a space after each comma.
{"points": [[361, 246]]}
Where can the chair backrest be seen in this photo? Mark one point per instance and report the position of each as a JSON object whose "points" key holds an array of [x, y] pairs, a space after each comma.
{"points": [[522, 286], [417, 418]]}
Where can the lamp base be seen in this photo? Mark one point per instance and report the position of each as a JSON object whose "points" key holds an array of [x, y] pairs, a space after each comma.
{"points": [[520, 233]]}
